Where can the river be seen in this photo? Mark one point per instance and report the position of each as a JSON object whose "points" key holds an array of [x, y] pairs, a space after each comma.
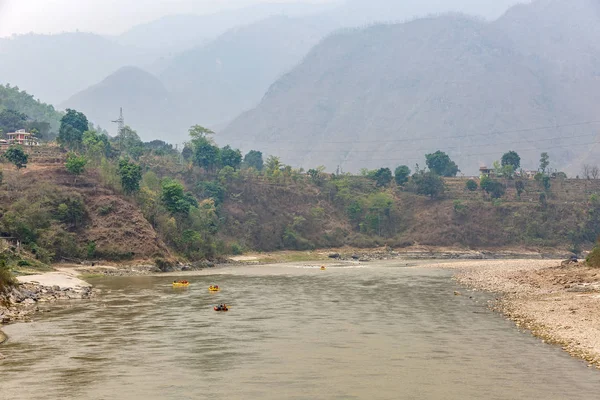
{"points": [[374, 332]]}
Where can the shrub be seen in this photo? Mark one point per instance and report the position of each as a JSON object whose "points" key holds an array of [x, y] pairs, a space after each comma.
{"points": [[236, 249], [6, 277], [471, 185], [593, 259]]}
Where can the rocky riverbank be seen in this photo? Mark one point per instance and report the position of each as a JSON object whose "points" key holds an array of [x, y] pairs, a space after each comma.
{"points": [[25, 299], [559, 303]]}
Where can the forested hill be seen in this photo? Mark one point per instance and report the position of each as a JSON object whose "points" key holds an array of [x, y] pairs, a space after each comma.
{"points": [[19, 110], [389, 94]]}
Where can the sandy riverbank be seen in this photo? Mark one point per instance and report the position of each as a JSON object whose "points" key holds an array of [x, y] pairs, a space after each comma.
{"points": [[559, 304]]}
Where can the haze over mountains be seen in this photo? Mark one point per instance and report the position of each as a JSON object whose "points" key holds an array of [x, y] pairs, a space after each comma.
{"points": [[366, 97], [386, 95]]}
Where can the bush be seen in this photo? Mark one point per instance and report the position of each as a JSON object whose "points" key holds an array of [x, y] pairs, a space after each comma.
{"points": [[593, 259], [471, 185], [236, 249], [6, 277]]}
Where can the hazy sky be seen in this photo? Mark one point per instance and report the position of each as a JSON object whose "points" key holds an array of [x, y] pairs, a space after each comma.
{"points": [[116, 16], [104, 16]]}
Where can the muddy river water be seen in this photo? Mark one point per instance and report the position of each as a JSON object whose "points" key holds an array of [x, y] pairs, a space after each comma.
{"points": [[354, 332]]}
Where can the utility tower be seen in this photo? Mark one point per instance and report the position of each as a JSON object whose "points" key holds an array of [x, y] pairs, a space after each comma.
{"points": [[120, 122]]}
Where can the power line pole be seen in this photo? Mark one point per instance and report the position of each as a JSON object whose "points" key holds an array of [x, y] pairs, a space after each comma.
{"points": [[120, 122]]}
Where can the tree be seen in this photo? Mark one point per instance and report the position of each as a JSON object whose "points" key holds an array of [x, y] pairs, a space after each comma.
{"points": [[72, 126], [492, 187], [544, 162], [17, 156], [441, 164], [590, 171], [471, 185], [520, 186], [401, 175], [40, 129], [383, 177], [75, 164], [206, 154], [513, 159], [254, 159], [273, 166], [131, 175], [200, 132], [175, 199], [130, 143], [429, 184], [231, 158], [11, 120]]}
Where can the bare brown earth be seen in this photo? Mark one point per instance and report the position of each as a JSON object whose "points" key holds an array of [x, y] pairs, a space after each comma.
{"points": [[115, 224], [559, 304]]}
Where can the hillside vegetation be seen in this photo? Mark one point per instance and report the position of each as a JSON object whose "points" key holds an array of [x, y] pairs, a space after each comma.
{"points": [[389, 93], [20, 110], [101, 198]]}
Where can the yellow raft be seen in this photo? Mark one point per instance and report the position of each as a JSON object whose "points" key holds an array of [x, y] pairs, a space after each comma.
{"points": [[214, 288], [322, 268], [181, 284]]}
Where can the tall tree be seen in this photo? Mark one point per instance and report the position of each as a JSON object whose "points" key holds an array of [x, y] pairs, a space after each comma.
{"points": [[131, 175], [440, 163], [206, 154], [429, 184], [544, 162], [511, 158], [17, 156], [401, 174], [254, 159], [11, 120], [230, 157], [382, 177], [72, 126]]}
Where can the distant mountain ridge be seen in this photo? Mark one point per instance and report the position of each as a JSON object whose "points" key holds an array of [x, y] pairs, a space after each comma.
{"points": [[206, 85], [386, 95]]}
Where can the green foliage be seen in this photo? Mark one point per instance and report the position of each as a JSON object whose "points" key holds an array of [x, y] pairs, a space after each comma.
{"points": [[96, 145], [231, 158], [11, 120], [11, 98], [175, 199], [6, 277], [254, 159], [71, 211], [200, 132], [429, 184], [17, 156], [273, 167], [160, 148], [91, 249], [492, 187], [402, 174], [72, 126], [441, 164], [131, 175], [75, 164], [520, 187], [382, 177], [206, 154], [511, 159], [546, 184], [471, 185], [316, 174], [129, 143], [544, 162], [593, 259], [212, 190]]}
